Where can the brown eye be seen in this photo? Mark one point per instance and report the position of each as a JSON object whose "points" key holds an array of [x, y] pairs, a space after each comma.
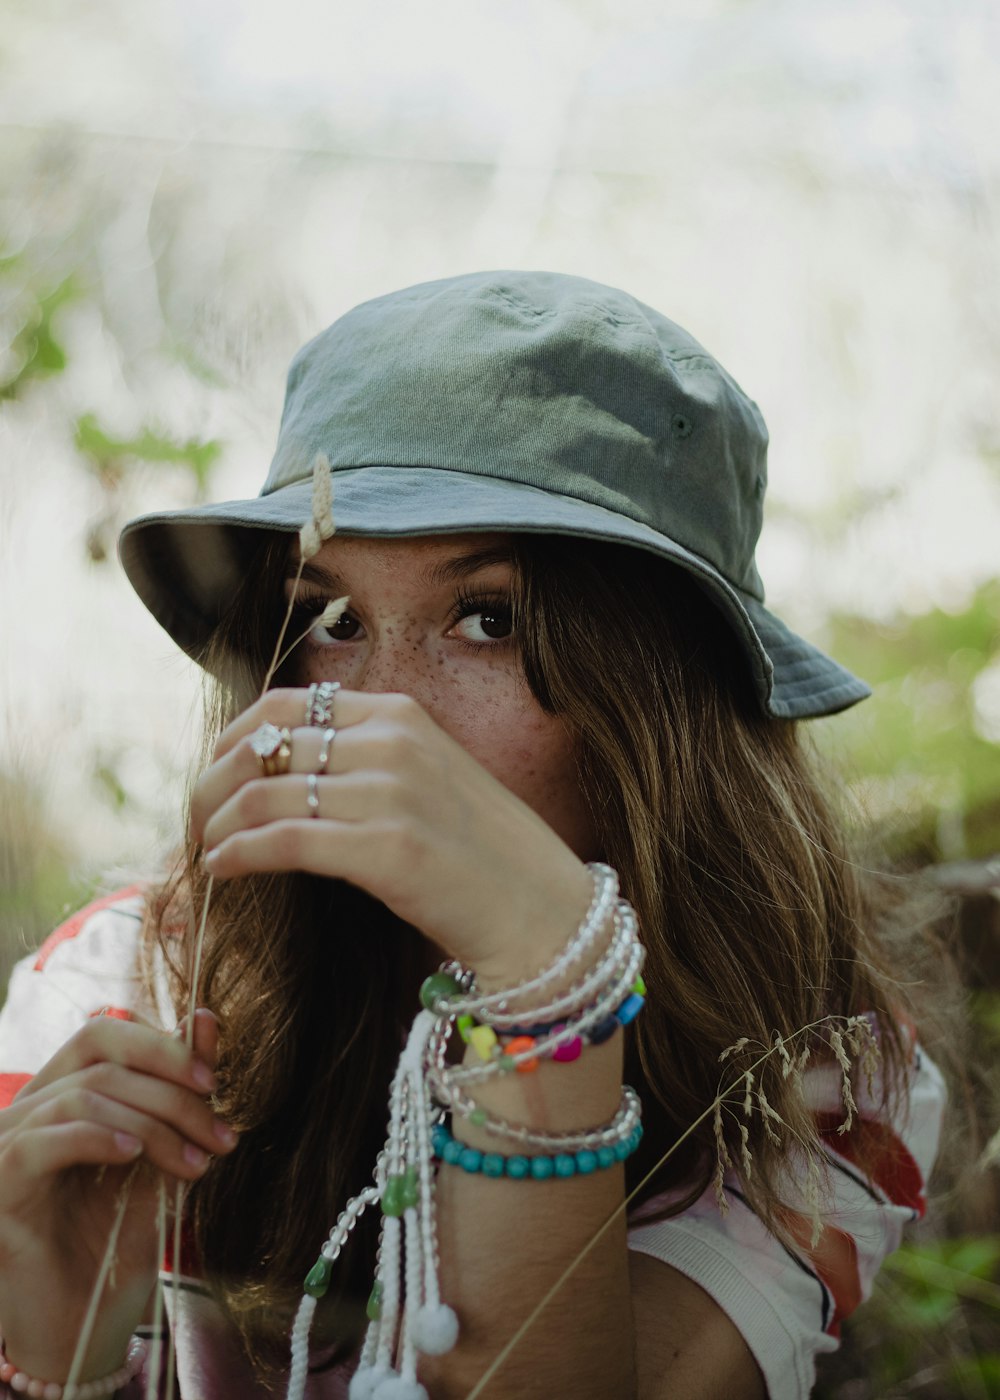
{"points": [[483, 623], [345, 629], [495, 624]]}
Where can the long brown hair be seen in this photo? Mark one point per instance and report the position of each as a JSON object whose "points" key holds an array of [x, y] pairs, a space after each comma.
{"points": [[755, 921]]}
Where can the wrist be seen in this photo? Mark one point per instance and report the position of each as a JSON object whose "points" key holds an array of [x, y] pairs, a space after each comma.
{"points": [[537, 927], [15, 1379]]}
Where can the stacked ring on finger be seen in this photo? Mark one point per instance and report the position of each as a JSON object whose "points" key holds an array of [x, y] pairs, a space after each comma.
{"points": [[324, 753], [319, 703], [273, 747], [312, 794]]}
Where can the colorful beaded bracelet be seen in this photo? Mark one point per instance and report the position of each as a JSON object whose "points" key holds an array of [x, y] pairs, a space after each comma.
{"points": [[537, 1168], [515, 1040]]}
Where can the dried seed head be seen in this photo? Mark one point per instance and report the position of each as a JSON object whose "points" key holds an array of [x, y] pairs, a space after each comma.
{"points": [[332, 612], [745, 1151], [748, 1093], [310, 540], [734, 1049], [322, 497], [846, 1090]]}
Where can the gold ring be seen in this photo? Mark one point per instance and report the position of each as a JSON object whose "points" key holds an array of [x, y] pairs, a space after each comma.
{"points": [[273, 747]]}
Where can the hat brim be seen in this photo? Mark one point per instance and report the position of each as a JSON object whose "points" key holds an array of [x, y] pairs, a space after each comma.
{"points": [[186, 564]]}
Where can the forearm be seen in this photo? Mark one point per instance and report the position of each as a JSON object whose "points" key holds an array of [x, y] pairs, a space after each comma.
{"points": [[505, 1243]]}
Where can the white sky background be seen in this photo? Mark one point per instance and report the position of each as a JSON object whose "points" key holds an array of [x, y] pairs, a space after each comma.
{"points": [[809, 186]]}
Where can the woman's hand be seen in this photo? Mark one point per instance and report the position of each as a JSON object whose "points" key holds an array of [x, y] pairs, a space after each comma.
{"points": [[406, 814], [115, 1095]]}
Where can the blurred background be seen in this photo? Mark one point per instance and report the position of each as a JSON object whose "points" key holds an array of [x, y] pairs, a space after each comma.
{"points": [[189, 190]]}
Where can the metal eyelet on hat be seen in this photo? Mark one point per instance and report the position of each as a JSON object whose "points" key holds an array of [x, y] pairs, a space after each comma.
{"points": [[680, 426]]}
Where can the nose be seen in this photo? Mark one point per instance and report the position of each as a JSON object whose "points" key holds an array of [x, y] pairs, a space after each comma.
{"points": [[397, 661]]}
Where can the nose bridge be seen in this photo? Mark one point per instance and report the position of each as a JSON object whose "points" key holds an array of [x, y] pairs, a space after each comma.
{"points": [[396, 660]]}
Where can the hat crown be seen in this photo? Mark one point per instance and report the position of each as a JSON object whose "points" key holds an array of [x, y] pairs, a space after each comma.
{"points": [[551, 381]]}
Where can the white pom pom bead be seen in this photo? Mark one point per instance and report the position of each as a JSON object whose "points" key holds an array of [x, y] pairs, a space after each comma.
{"points": [[364, 1382], [435, 1329], [398, 1388]]}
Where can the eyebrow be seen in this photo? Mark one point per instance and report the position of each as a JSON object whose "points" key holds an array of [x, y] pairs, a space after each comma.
{"points": [[452, 570]]}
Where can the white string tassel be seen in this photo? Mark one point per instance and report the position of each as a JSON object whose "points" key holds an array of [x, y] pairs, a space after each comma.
{"points": [[300, 1348]]}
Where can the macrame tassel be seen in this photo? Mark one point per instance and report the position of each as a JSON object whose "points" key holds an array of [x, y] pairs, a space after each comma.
{"points": [[407, 1267]]}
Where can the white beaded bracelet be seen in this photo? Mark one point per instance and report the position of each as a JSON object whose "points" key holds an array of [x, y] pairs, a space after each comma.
{"points": [[22, 1384]]}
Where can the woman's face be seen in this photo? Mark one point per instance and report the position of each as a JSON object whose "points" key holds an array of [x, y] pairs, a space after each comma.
{"points": [[431, 618]]}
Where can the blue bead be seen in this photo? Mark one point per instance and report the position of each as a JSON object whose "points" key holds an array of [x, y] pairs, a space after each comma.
{"points": [[622, 1149], [606, 1157], [439, 1136], [603, 1031], [542, 1168], [452, 1151], [630, 1008], [492, 1164], [470, 1159], [518, 1167], [586, 1162], [565, 1164]]}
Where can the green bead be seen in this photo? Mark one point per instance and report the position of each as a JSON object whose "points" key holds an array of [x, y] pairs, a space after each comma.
{"points": [[465, 1023], [478, 1116], [438, 986], [606, 1157], [639, 987], [318, 1278], [541, 1168], [507, 1063], [410, 1189], [565, 1164], [452, 1152], [392, 1196], [518, 1167], [492, 1164], [373, 1310], [470, 1159], [586, 1162]]}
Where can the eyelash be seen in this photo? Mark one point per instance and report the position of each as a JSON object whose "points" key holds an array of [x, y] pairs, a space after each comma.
{"points": [[308, 607]]}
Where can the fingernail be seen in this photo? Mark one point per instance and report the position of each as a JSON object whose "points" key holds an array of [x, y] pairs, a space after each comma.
{"points": [[211, 860], [203, 1076], [224, 1133], [125, 1142], [194, 1156]]}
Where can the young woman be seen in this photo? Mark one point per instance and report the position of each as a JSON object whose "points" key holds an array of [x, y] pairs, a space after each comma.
{"points": [[554, 659]]}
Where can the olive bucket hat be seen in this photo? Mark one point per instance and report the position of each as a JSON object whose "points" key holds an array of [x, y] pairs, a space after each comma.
{"points": [[509, 401]]}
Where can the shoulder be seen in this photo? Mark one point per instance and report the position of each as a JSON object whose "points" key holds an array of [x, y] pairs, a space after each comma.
{"points": [[91, 965], [114, 920]]}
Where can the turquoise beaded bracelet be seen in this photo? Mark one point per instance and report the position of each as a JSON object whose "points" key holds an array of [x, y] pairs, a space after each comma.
{"points": [[537, 1168]]}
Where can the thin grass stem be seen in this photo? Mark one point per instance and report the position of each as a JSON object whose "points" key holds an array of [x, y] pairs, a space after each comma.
{"points": [[533, 1316]]}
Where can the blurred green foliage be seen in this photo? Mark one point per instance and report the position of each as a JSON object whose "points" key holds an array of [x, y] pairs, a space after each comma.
{"points": [[34, 348], [917, 747], [109, 456]]}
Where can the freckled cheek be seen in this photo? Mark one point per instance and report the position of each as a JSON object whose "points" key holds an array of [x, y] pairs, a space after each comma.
{"points": [[531, 755]]}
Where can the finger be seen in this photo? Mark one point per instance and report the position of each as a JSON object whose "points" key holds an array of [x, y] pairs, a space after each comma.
{"points": [[335, 849], [126, 1043], [352, 797], [57, 1146], [204, 1037], [177, 1127], [286, 708]]}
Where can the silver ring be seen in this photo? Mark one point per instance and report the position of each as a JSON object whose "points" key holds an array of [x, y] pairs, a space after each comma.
{"points": [[312, 794], [319, 710], [324, 754]]}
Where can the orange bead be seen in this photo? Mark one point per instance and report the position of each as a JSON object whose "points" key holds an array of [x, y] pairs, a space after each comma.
{"points": [[516, 1046]]}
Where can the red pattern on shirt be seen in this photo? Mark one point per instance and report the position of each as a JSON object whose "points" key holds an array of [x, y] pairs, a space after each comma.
{"points": [[73, 926]]}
